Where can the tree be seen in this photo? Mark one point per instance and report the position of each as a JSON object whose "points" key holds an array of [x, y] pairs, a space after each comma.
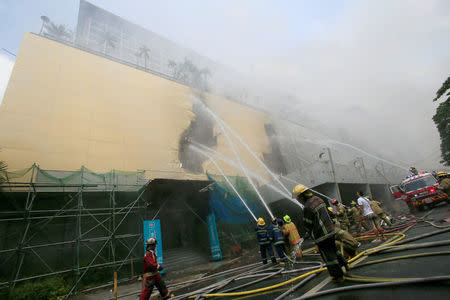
{"points": [[442, 121], [45, 20], [190, 74], [108, 40], [144, 51], [173, 65], [59, 32]]}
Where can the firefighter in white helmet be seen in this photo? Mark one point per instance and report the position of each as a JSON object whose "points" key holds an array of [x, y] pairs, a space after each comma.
{"points": [[152, 277]]}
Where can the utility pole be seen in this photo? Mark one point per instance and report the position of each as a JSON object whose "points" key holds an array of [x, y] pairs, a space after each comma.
{"points": [[336, 185]]}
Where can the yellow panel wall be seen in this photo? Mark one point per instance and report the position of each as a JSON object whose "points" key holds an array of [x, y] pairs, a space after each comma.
{"points": [[64, 108]]}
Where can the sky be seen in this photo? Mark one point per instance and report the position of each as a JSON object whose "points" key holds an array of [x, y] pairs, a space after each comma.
{"points": [[363, 72]]}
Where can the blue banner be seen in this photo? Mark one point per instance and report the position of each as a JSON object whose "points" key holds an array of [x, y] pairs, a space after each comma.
{"points": [[153, 229], [213, 237]]}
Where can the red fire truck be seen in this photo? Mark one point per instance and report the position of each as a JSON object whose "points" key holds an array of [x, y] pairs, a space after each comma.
{"points": [[419, 191]]}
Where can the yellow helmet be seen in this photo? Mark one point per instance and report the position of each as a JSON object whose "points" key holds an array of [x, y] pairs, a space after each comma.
{"points": [[287, 219], [261, 222], [300, 189], [442, 173], [330, 208]]}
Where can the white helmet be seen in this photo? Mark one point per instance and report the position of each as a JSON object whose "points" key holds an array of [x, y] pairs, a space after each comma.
{"points": [[150, 241]]}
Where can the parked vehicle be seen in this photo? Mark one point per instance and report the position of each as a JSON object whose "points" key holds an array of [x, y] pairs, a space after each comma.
{"points": [[419, 191]]}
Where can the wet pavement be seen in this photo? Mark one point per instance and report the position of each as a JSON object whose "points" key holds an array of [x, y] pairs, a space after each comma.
{"points": [[411, 267]]}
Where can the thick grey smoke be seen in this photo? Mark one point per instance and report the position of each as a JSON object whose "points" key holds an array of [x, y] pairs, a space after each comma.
{"points": [[365, 75]]}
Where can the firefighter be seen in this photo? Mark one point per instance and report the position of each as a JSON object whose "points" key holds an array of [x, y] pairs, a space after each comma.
{"points": [[319, 225], [381, 215], [276, 236], [413, 171], [341, 215], [331, 214], [263, 237], [290, 231], [151, 276], [346, 242], [444, 182]]}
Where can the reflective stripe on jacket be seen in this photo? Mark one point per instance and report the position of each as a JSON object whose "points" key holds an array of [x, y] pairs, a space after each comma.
{"points": [[262, 235], [290, 230], [275, 234]]}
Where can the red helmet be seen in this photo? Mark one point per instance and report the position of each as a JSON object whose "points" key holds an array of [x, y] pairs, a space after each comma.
{"points": [[334, 201]]}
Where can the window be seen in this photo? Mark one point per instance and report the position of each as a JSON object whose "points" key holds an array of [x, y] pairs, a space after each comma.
{"points": [[420, 183]]}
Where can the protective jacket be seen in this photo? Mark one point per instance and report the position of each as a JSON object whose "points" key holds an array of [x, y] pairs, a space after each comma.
{"points": [[262, 235], [290, 230], [356, 214], [445, 185], [375, 205], [275, 234], [342, 215], [151, 266], [152, 277], [317, 220], [346, 238]]}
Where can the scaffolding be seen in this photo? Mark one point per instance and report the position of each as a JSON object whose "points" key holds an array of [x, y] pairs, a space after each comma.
{"points": [[80, 224]]}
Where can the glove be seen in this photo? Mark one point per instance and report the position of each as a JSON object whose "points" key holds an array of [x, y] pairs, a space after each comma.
{"points": [[160, 268]]}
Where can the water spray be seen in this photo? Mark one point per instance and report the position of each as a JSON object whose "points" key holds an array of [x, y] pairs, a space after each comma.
{"points": [[220, 123], [233, 164], [254, 175], [274, 176], [368, 154], [319, 193], [226, 179]]}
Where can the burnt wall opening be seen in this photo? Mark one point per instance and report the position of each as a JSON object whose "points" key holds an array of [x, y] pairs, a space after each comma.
{"points": [[274, 160], [201, 130]]}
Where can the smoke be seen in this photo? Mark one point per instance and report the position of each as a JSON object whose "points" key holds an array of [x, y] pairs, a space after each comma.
{"points": [[365, 75], [362, 72]]}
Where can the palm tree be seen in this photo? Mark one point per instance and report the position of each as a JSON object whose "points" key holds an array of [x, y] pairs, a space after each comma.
{"points": [[58, 31], [108, 40], [45, 20], [144, 51], [173, 65]]}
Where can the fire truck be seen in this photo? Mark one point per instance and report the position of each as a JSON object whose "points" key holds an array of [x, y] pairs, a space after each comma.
{"points": [[419, 191]]}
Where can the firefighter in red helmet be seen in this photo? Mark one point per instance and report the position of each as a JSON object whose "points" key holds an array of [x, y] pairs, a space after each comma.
{"points": [[152, 277]]}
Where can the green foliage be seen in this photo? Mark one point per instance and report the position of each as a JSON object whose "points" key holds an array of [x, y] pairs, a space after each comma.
{"points": [[58, 31], [190, 74], [442, 121], [144, 52], [108, 40], [53, 288]]}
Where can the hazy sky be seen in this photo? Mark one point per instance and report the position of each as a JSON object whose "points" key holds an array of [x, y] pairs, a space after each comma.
{"points": [[367, 70]]}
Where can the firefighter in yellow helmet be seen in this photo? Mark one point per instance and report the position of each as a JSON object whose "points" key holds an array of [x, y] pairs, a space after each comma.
{"points": [[263, 237], [444, 183], [341, 215], [290, 232], [319, 225]]}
